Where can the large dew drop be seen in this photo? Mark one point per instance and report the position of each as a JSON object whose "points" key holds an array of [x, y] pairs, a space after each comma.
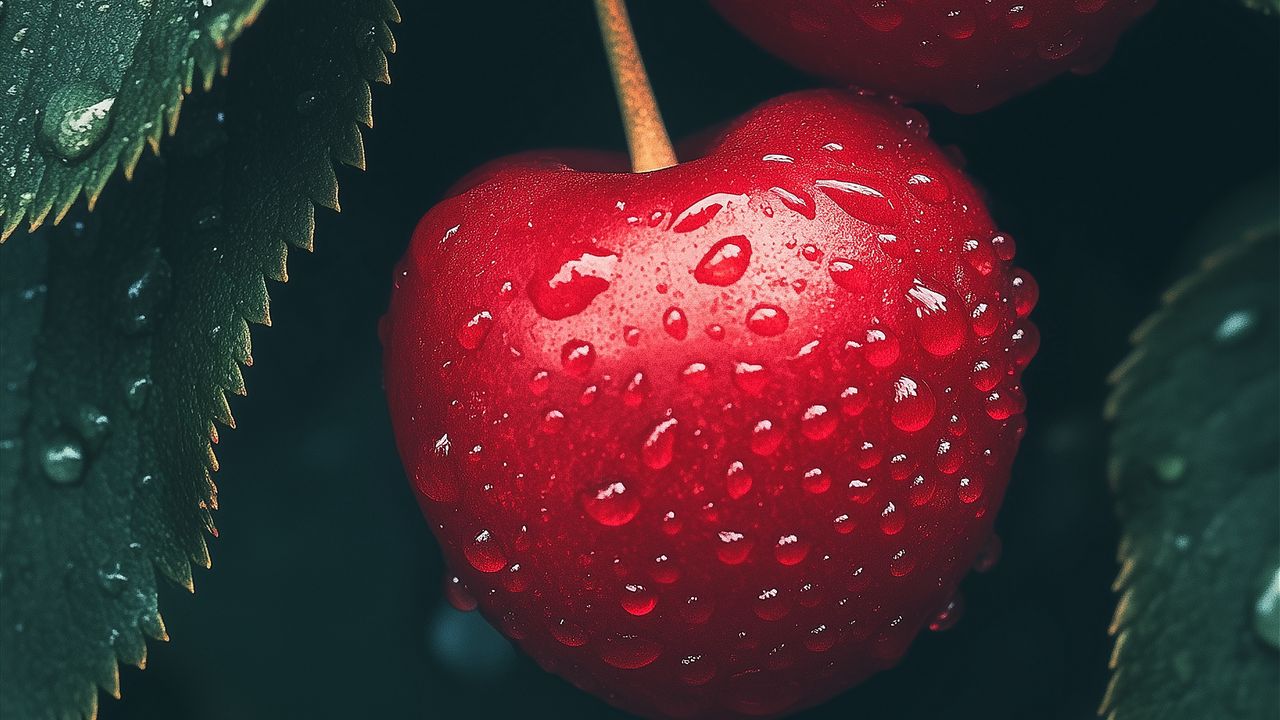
{"points": [[76, 120], [846, 274], [733, 548], [882, 347], [818, 422], [63, 460], [791, 550]]}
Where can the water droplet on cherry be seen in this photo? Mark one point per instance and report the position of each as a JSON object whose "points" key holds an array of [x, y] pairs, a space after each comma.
{"points": [[860, 202], [568, 289], [659, 446], [577, 357], [791, 550], [725, 263], [818, 422], [474, 331], [636, 391], [737, 480], [611, 504], [630, 652], [815, 481], [927, 187], [798, 201], [484, 554], [733, 548], [767, 320], [765, 438], [891, 520], [637, 600], [675, 323], [749, 377], [913, 404], [568, 634]]}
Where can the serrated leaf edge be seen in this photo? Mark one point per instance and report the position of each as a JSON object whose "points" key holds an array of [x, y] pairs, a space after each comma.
{"points": [[164, 123], [1119, 380], [305, 240]]}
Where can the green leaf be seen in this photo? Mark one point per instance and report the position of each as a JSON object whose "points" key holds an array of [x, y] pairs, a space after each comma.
{"points": [[1195, 472], [1266, 7], [87, 83], [124, 329]]}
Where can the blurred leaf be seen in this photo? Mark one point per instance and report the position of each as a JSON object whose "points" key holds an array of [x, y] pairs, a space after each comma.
{"points": [[1194, 469], [1266, 7], [88, 83], [124, 329]]}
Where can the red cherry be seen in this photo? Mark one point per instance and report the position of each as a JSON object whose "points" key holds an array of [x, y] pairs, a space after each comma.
{"points": [[966, 54], [706, 522]]}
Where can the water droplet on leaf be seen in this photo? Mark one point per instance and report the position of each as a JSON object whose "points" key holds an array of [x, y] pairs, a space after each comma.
{"points": [[76, 120], [146, 280], [1266, 610], [63, 460]]}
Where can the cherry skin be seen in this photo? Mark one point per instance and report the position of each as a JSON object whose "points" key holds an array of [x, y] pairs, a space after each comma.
{"points": [[717, 440], [967, 54]]}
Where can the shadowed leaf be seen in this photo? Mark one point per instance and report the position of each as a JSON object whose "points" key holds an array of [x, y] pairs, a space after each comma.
{"points": [[125, 328], [88, 83], [1194, 468]]}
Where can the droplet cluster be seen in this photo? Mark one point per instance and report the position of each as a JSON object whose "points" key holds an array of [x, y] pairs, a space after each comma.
{"points": [[762, 435]]}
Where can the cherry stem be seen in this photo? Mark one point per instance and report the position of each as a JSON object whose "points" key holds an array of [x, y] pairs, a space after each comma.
{"points": [[647, 138]]}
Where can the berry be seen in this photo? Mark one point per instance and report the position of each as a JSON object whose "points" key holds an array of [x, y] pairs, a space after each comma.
{"points": [[716, 440], [967, 54]]}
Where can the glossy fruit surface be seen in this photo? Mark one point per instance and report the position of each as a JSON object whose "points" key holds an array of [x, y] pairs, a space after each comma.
{"points": [[717, 440], [966, 54]]}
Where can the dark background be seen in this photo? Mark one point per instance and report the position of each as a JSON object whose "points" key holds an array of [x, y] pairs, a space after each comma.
{"points": [[324, 600]]}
